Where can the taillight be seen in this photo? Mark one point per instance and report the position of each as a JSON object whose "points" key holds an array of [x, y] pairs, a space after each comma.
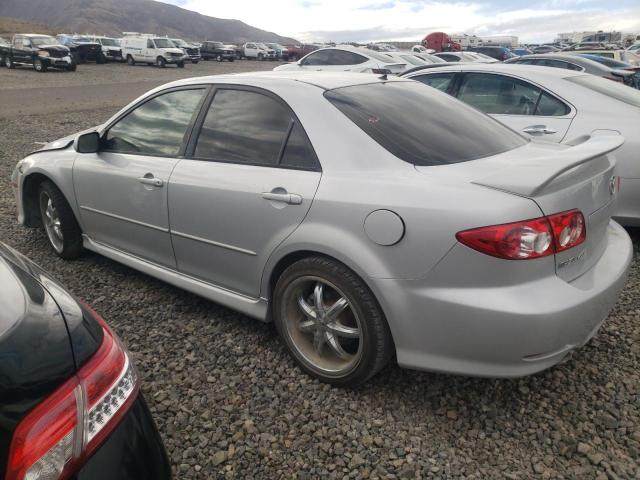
{"points": [[528, 239], [60, 433]]}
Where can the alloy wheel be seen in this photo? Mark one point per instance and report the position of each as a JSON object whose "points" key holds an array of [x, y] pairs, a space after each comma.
{"points": [[322, 326], [52, 222]]}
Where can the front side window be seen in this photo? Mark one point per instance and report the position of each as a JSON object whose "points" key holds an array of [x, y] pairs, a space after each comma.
{"points": [[157, 127], [251, 128], [498, 94], [341, 57], [422, 126], [441, 81]]}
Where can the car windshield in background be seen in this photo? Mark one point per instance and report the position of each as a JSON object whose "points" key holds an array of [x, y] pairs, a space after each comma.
{"points": [[609, 62], [163, 43], [179, 43], [109, 42], [44, 40], [611, 89], [422, 126], [217, 44], [83, 40]]}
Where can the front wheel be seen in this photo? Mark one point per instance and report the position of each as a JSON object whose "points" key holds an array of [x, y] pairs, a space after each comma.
{"points": [[218, 58], [59, 222], [130, 60], [195, 62], [231, 59], [161, 62], [330, 322], [72, 67], [260, 57], [8, 62], [180, 64], [39, 66]]}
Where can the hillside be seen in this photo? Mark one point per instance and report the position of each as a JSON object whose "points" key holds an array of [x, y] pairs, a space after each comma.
{"points": [[9, 26], [112, 17]]}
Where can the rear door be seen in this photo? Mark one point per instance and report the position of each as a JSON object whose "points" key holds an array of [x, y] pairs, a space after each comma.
{"points": [[517, 103], [249, 183], [122, 189]]}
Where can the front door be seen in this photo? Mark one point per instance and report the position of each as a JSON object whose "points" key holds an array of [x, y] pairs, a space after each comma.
{"points": [[122, 190], [250, 183], [521, 105]]}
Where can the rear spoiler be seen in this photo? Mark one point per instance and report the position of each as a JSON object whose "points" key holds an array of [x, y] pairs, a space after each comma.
{"points": [[529, 177]]}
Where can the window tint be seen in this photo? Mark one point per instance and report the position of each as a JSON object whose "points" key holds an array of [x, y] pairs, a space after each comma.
{"points": [[449, 58], [441, 81], [525, 61], [548, 62], [298, 152], [243, 127], [550, 106], [420, 125], [318, 58], [149, 43], [497, 94], [340, 57], [157, 127]]}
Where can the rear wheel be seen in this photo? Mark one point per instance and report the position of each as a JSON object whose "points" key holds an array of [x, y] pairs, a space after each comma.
{"points": [[39, 66], [60, 225], [218, 58], [330, 322], [161, 62], [130, 60]]}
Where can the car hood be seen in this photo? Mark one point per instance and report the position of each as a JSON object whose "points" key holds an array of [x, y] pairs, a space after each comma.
{"points": [[54, 48]]}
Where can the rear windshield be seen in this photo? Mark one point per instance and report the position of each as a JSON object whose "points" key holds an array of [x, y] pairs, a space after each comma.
{"points": [[611, 89], [422, 126]]}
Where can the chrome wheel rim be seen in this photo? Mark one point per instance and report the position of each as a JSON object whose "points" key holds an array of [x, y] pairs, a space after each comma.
{"points": [[38, 65], [322, 326], [52, 222]]}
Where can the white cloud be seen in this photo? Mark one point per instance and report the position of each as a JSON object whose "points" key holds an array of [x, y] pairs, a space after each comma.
{"points": [[365, 20]]}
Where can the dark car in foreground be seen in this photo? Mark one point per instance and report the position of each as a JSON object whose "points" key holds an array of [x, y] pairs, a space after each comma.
{"points": [[578, 63], [41, 52], [71, 406], [217, 51]]}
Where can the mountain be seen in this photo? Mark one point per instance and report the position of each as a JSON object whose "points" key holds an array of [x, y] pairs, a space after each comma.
{"points": [[9, 26], [112, 17]]}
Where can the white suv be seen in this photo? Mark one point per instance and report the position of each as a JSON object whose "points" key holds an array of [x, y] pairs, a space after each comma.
{"points": [[158, 51], [258, 51]]}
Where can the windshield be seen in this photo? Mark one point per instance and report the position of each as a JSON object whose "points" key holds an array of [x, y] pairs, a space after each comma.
{"points": [[216, 44], [611, 89], [262, 45], [609, 62], [83, 40], [109, 42], [44, 40], [163, 43], [422, 126], [179, 43]]}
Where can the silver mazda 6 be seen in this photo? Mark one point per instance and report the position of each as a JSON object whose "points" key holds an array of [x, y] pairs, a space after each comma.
{"points": [[367, 217]]}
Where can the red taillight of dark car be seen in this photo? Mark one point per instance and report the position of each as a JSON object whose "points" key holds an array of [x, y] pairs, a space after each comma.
{"points": [[59, 434], [528, 239]]}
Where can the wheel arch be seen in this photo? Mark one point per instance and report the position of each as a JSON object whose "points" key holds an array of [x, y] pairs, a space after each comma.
{"points": [[30, 186]]}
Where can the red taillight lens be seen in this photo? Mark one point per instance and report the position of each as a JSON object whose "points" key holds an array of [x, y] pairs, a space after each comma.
{"points": [[528, 239], [52, 441]]}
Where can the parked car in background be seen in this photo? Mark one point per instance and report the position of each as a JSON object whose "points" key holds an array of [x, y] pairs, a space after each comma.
{"points": [[586, 46], [409, 59], [454, 57], [346, 59], [499, 53], [577, 63], [158, 51], [276, 211], [71, 402], [296, 52], [543, 49], [83, 49], [429, 58], [258, 51], [111, 50], [217, 51], [282, 52], [521, 51], [555, 104], [635, 48], [189, 50], [41, 52], [4, 42], [619, 55]]}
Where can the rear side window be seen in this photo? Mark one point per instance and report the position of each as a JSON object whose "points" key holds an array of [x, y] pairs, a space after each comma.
{"points": [[549, 106], [251, 128], [318, 58], [441, 81], [341, 57], [420, 125]]}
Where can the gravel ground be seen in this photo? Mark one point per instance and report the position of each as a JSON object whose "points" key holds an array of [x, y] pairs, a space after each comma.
{"points": [[230, 403]]}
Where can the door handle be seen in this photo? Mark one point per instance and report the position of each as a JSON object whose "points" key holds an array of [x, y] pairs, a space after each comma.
{"points": [[290, 198], [539, 130], [156, 182]]}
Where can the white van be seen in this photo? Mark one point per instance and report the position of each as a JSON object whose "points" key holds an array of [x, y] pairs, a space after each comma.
{"points": [[150, 49]]}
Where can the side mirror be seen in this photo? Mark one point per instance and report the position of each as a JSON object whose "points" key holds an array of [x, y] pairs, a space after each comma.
{"points": [[88, 143]]}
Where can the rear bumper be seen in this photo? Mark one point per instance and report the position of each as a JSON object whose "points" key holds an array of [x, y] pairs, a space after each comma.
{"points": [[134, 451], [508, 330], [628, 203]]}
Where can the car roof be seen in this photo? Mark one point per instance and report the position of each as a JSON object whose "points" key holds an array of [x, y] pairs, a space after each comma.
{"points": [[513, 68], [322, 80]]}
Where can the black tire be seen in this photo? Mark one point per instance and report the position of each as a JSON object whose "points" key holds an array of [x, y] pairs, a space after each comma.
{"points": [[195, 62], [39, 66], [72, 67], [8, 62], [130, 60], [260, 57], [231, 59], [180, 64], [70, 245], [375, 345], [161, 62], [219, 58], [101, 59]]}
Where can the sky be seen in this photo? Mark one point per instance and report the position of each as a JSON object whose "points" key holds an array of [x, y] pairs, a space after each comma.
{"points": [[378, 20]]}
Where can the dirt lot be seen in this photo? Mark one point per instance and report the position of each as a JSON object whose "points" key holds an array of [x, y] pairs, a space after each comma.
{"points": [[231, 404]]}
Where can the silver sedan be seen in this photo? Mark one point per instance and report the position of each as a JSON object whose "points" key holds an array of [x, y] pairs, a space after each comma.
{"points": [[554, 104], [367, 217]]}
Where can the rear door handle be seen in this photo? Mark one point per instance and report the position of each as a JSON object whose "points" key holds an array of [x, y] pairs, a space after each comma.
{"points": [[156, 182], [290, 198], [539, 130]]}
